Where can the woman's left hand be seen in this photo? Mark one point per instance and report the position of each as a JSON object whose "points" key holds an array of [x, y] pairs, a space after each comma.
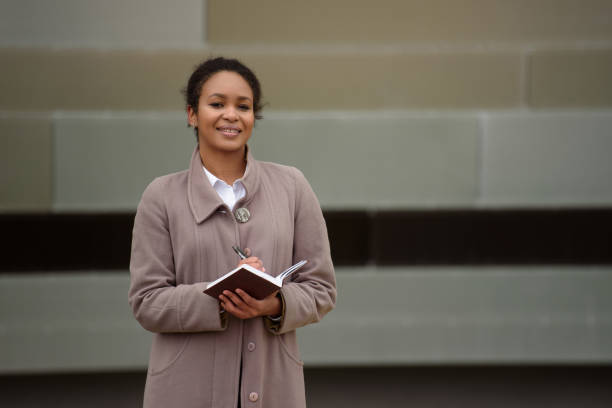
{"points": [[244, 306]]}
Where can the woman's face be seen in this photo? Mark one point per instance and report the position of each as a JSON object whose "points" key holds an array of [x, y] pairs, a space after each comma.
{"points": [[225, 115]]}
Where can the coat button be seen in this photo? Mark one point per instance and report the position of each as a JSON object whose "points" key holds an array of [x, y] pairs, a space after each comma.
{"points": [[251, 346], [253, 396], [242, 214]]}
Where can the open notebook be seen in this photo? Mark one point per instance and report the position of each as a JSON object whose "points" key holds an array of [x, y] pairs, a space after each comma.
{"points": [[256, 283]]}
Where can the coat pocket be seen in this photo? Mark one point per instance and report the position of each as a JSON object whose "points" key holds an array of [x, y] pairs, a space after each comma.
{"points": [[289, 346], [166, 349]]}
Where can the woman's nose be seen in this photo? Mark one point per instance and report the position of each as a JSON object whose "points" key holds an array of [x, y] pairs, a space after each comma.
{"points": [[230, 113]]}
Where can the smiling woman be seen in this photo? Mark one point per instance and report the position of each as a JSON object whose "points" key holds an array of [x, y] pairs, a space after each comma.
{"points": [[234, 350]]}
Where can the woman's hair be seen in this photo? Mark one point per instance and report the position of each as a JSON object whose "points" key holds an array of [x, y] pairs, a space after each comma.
{"points": [[210, 67]]}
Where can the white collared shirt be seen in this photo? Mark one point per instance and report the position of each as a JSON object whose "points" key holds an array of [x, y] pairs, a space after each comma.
{"points": [[229, 194]]}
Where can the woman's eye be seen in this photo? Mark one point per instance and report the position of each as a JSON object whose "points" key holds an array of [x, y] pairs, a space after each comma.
{"points": [[244, 107], [216, 104]]}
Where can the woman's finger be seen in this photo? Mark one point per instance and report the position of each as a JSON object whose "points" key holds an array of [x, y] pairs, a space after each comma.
{"points": [[231, 296], [227, 302], [254, 262], [224, 301], [250, 260], [246, 298], [235, 310], [236, 300]]}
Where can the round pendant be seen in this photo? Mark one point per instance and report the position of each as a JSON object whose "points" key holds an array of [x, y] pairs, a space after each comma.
{"points": [[242, 215]]}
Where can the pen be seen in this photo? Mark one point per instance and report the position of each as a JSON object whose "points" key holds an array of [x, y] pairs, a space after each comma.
{"points": [[239, 251]]}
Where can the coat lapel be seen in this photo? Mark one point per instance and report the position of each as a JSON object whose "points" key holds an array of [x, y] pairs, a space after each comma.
{"points": [[202, 197], [250, 180]]}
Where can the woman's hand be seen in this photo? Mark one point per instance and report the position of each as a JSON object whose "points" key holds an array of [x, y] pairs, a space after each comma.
{"points": [[252, 260], [243, 306]]}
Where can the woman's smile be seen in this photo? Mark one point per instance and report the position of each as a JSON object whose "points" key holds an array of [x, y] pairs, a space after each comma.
{"points": [[229, 131]]}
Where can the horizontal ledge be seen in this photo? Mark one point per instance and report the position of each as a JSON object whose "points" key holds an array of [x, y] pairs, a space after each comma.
{"points": [[335, 48], [298, 114]]}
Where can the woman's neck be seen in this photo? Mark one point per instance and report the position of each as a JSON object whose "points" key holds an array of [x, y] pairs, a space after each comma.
{"points": [[227, 166]]}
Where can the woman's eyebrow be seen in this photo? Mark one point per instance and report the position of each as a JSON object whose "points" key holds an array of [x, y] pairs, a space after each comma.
{"points": [[220, 95]]}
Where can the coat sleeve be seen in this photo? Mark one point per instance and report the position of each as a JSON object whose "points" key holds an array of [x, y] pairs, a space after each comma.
{"points": [[158, 303], [312, 291]]}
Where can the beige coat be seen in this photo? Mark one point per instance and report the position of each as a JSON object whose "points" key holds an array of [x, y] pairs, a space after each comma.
{"points": [[183, 237]]}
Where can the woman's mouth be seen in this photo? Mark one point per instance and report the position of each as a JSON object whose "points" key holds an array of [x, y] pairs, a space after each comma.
{"points": [[228, 131]]}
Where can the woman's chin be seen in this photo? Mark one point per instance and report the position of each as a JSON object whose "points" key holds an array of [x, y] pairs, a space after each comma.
{"points": [[229, 147]]}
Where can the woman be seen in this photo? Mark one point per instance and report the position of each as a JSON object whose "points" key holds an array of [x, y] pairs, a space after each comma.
{"points": [[235, 350]]}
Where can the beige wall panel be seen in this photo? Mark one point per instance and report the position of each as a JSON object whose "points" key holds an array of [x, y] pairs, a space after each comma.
{"points": [[118, 80], [396, 21], [117, 23], [377, 161], [388, 81], [548, 159], [35, 79], [571, 79], [25, 164], [106, 163]]}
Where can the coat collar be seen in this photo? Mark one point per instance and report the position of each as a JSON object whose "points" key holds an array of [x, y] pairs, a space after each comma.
{"points": [[202, 197]]}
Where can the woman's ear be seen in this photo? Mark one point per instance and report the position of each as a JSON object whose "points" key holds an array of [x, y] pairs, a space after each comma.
{"points": [[192, 117]]}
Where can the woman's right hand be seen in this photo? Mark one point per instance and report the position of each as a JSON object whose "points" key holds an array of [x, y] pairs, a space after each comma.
{"points": [[252, 261]]}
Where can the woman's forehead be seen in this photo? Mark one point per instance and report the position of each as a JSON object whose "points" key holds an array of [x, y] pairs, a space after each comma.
{"points": [[227, 84]]}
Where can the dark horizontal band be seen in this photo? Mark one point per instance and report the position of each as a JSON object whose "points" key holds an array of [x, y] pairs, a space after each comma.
{"points": [[472, 237], [51, 242], [440, 385]]}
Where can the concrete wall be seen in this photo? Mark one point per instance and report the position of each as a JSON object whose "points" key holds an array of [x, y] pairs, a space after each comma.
{"points": [[383, 105], [440, 91]]}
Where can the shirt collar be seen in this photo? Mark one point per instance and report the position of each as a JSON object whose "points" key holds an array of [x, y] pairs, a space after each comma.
{"points": [[211, 177], [214, 179]]}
